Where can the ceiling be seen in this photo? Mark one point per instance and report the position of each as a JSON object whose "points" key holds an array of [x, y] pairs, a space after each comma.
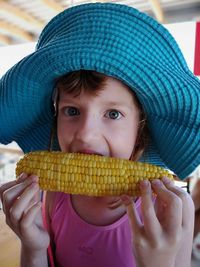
{"points": [[22, 20]]}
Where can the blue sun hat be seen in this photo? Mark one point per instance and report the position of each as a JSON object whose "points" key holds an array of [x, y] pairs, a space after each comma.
{"points": [[121, 42]]}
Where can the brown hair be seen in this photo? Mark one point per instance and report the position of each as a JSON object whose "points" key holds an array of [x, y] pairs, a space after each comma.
{"points": [[92, 82]]}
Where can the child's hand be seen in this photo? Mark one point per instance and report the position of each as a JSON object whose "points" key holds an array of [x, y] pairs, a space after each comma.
{"points": [[22, 208], [166, 228]]}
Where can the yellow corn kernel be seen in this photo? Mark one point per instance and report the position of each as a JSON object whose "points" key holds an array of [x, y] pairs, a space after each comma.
{"points": [[76, 173]]}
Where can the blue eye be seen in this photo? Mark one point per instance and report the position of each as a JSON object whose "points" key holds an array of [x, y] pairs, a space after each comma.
{"points": [[71, 111], [113, 114]]}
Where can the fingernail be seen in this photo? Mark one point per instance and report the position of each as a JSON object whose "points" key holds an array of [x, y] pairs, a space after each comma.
{"points": [[144, 184], [166, 180], [34, 178], [31, 179], [22, 176], [125, 199], [156, 182]]}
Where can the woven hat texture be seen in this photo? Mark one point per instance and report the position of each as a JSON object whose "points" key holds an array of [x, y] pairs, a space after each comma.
{"points": [[121, 42]]}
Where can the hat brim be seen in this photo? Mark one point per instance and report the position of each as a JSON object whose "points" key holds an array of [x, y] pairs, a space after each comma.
{"points": [[121, 42]]}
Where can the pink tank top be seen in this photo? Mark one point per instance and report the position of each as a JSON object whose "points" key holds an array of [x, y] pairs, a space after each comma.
{"points": [[80, 244]]}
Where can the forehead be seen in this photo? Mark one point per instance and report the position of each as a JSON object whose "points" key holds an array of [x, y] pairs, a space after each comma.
{"points": [[112, 89]]}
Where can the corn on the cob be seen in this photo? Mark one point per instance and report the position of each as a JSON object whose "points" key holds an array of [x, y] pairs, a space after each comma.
{"points": [[91, 175]]}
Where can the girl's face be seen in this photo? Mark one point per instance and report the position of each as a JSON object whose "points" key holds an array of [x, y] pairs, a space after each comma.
{"points": [[104, 124]]}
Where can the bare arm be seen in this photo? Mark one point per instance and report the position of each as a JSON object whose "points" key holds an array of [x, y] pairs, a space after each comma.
{"points": [[33, 259]]}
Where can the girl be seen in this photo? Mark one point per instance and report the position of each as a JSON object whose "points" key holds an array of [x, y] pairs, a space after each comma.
{"points": [[97, 112]]}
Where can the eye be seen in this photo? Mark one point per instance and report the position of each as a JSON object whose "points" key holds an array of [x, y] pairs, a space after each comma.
{"points": [[113, 114], [71, 111]]}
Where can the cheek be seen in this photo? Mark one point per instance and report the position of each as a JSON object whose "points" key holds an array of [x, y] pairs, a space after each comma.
{"points": [[129, 137], [60, 133], [63, 134], [123, 140]]}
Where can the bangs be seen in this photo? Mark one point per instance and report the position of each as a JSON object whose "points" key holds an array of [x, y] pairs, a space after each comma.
{"points": [[85, 81]]}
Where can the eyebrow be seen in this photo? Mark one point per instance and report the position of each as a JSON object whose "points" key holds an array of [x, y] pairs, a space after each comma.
{"points": [[116, 104]]}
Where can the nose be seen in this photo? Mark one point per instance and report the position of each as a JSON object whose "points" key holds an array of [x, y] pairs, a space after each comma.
{"points": [[88, 129]]}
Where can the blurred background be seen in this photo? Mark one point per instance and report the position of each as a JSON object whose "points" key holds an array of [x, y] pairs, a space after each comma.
{"points": [[21, 22]]}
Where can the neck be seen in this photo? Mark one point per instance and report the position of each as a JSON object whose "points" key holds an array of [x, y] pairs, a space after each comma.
{"points": [[98, 210]]}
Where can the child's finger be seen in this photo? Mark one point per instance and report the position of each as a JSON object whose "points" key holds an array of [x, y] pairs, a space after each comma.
{"points": [[30, 229], [10, 184], [187, 203], [29, 216], [151, 223], [134, 218], [21, 177], [5, 187], [12, 193], [173, 219], [23, 203]]}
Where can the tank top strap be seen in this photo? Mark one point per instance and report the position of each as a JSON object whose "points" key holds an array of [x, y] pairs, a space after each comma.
{"points": [[47, 227]]}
